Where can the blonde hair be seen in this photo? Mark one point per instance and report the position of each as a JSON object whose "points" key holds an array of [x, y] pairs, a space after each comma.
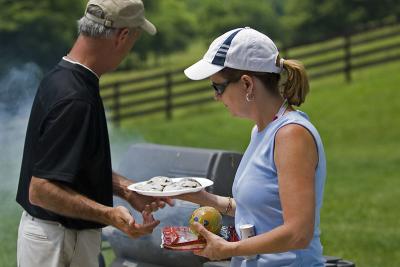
{"points": [[296, 86]]}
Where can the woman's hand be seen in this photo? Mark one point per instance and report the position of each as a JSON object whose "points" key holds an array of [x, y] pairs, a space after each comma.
{"points": [[217, 248]]}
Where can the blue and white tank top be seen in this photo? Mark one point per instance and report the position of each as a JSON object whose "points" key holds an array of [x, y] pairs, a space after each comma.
{"points": [[255, 190]]}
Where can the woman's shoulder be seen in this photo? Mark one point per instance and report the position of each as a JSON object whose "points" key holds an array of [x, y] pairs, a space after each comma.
{"points": [[300, 118], [292, 131], [297, 123]]}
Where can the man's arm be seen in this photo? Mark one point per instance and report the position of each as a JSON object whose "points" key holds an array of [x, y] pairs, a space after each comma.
{"points": [[120, 185], [63, 200]]}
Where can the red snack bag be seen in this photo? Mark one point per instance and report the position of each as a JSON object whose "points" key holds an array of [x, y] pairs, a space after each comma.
{"points": [[180, 238]]}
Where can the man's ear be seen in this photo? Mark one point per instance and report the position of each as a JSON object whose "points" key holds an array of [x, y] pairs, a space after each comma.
{"points": [[121, 36]]}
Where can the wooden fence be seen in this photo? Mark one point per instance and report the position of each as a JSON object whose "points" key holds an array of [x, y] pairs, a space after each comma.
{"points": [[167, 91]]}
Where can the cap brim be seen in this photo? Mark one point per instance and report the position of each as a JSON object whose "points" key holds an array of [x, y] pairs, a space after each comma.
{"points": [[149, 27], [201, 70]]}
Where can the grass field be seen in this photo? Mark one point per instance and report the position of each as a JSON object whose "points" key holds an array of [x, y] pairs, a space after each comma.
{"points": [[360, 129]]}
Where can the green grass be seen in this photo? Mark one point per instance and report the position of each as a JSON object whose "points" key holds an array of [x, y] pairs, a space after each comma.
{"points": [[360, 129], [10, 215]]}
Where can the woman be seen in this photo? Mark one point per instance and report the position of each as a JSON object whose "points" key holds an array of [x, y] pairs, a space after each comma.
{"points": [[279, 183]]}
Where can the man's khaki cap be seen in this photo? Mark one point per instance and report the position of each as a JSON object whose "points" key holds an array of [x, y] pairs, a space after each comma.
{"points": [[121, 14]]}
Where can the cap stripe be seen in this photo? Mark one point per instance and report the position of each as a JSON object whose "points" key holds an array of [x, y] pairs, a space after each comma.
{"points": [[220, 56]]}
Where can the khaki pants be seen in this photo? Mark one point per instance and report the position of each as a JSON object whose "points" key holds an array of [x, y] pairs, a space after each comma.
{"points": [[49, 244]]}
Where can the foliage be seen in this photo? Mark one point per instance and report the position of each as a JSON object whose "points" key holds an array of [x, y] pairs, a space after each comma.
{"points": [[217, 17], [38, 31], [176, 27], [313, 19]]}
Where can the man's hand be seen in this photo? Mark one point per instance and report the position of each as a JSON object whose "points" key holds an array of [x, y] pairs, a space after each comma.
{"points": [[146, 203], [217, 248], [121, 218]]}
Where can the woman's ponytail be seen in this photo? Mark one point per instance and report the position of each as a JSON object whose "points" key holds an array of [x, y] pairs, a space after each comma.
{"points": [[296, 86]]}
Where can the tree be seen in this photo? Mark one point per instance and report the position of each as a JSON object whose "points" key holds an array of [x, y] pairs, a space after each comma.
{"points": [[37, 31], [176, 27], [217, 17], [309, 20]]}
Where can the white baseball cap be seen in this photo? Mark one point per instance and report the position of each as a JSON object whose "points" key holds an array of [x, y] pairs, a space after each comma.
{"points": [[242, 49]]}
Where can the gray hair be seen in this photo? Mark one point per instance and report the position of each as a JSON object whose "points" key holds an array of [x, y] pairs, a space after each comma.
{"points": [[90, 28]]}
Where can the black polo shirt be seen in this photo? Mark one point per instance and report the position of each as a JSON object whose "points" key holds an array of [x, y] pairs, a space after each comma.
{"points": [[67, 141]]}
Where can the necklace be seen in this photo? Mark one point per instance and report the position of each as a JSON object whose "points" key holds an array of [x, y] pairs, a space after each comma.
{"points": [[281, 110]]}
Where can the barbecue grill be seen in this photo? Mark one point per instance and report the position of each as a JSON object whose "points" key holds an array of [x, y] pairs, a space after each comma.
{"points": [[143, 161]]}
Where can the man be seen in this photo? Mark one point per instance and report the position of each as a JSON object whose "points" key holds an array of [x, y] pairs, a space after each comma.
{"points": [[66, 183]]}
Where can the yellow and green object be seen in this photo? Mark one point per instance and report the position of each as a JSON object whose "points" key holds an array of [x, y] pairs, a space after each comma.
{"points": [[209, 217]]}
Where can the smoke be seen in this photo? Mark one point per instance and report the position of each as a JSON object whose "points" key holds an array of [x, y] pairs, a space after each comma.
{"points": [[17, 89], [120, 140]]}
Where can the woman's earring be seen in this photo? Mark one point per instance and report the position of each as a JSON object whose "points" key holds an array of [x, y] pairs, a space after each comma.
{"points": [[249, 97]]}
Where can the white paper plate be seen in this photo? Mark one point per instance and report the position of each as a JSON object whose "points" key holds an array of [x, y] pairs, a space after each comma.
{"points": [[203, 181]]}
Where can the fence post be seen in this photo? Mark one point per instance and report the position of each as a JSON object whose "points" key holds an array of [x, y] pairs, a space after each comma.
{"points": [[168, 95], [116, 117], [347, 56]]}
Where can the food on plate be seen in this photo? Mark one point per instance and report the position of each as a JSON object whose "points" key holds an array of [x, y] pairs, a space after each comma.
{"points": [[160, 180], [209, 217], [149, 187], [189, 182], [154, 184], [164, 184], [182, 184], [172, 187]]}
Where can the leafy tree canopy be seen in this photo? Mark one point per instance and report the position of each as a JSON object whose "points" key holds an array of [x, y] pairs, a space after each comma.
{"points": [[217, 17], [38, 31], [314, 19]]}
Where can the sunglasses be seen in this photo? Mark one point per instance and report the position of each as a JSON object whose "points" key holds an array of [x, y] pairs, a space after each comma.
{"points": [[220, 87]]}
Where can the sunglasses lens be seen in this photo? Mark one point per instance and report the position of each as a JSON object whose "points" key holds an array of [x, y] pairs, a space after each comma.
{"points": [[219, 88]]}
